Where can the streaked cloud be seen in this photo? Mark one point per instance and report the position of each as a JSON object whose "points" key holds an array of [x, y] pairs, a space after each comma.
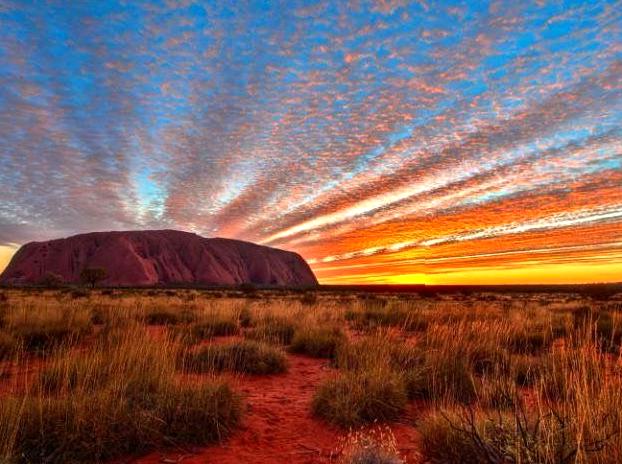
{"points": [[386, 141]]}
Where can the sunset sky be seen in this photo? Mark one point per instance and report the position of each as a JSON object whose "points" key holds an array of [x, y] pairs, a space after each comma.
{"points": [[386, 141]]}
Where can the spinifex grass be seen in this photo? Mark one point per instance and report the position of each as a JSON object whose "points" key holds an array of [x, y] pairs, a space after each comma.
{"points": [[531, 379], [247, 357], [120, 396]]}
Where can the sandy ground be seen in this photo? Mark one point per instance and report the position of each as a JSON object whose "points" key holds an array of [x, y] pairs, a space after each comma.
{"points": [[278, 426]]}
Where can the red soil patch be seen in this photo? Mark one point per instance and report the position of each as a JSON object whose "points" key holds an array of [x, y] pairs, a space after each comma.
{"points": [[278, 426]]}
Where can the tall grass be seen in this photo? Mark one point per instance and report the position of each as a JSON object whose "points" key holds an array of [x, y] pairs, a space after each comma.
{"points": [[494, 380], [123, 395]]}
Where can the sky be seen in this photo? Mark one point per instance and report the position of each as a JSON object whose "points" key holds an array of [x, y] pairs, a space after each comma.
{"points": [[386, 141]]}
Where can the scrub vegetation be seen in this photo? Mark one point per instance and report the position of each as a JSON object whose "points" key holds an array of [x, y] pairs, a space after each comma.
{"points": [[103, 374]]}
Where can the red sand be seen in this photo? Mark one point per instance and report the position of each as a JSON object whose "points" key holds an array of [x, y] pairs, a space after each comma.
{"points": [[278, 426]]}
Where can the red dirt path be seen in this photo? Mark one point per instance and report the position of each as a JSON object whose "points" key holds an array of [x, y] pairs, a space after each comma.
{"points": [[278, 426]]}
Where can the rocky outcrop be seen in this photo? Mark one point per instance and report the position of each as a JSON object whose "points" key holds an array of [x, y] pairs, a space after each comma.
{"points": [[158, 257]]}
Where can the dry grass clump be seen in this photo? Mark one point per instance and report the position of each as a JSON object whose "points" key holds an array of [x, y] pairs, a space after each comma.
{"points": [[8, 345], [528, 370], [530, 340], [609, 331], [358, 397], [492, 438], [374, 446], [245, 317], [428, 372], [376, 313], [503, 380], [247, 357], [488, 436], [43, 330], [119, 397], [169, 316], [319, 342], [442, 376], [104, 424], [273, 329], [573, 415], [206, 329]]}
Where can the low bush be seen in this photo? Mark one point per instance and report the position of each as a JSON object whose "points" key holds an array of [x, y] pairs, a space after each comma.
{"points": [[308, 298], [79, 293], [246, 357]]}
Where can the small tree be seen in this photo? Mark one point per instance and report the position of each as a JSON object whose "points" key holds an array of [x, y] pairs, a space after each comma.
{"points": [[93, 275], [52, 280]]}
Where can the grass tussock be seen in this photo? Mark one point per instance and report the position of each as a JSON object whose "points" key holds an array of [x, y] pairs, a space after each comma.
{"points": [[42, 331], [376, 313], [273, 329], [119, 397], [358, 397], [169, 316], [8, 345], [207, 329], [490, 437], [246, 357], [319, 342], [498, 379]]}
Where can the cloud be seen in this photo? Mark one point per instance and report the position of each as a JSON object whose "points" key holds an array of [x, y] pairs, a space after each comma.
{"points": [[351, 132]]}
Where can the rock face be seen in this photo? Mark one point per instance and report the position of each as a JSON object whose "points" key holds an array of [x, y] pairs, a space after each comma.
{"points": [[158, 257]]}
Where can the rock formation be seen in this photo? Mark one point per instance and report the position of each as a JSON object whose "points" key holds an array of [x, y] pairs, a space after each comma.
{"points": [[158, 257]]}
